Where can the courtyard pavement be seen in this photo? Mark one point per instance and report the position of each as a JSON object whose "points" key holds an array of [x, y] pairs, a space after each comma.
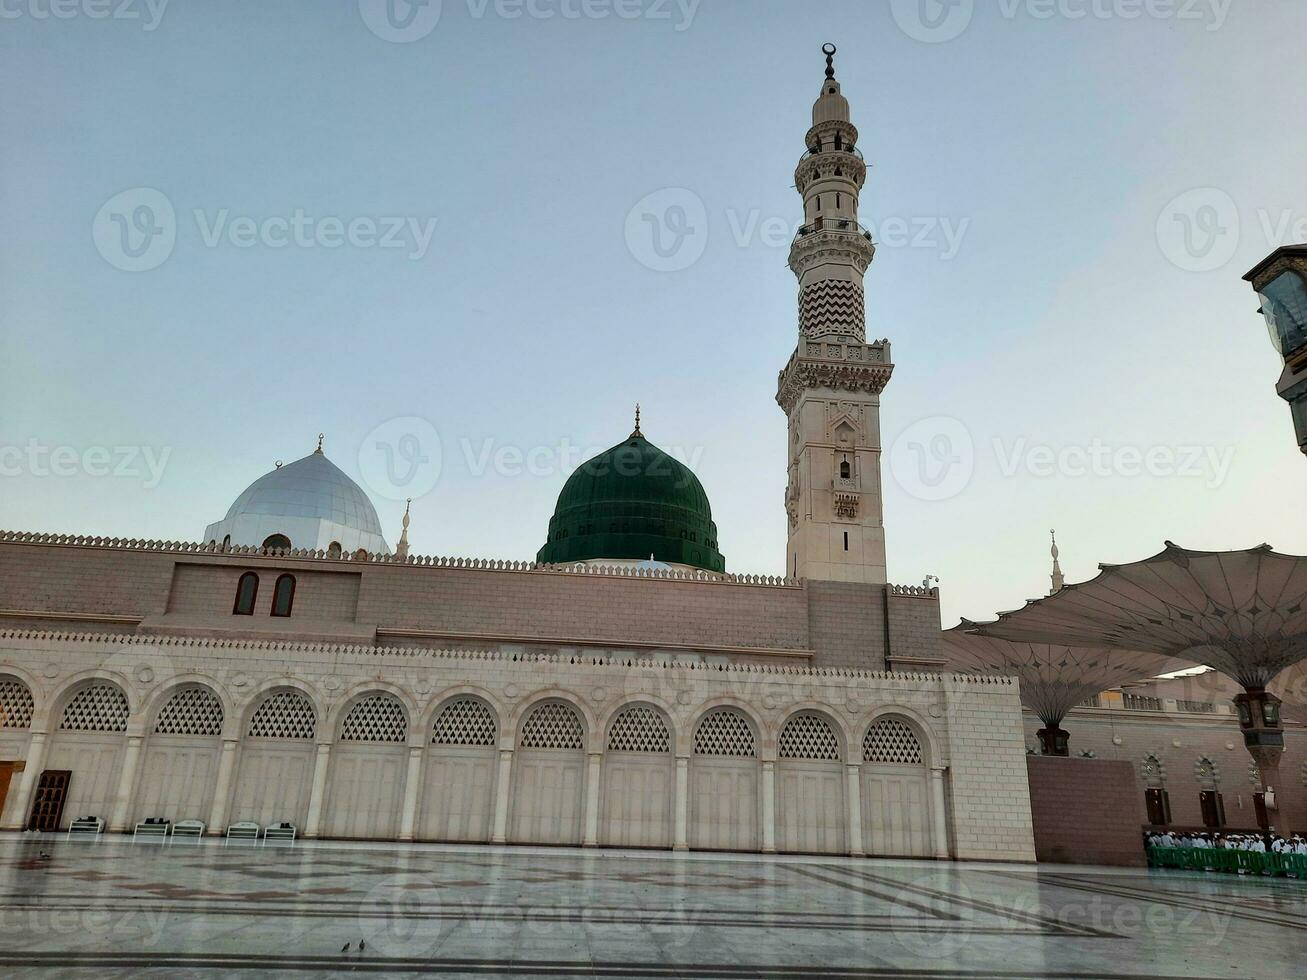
{"points": [[112, 908]]}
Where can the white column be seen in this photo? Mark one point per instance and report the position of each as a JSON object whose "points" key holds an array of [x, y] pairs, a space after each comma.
{"points": [[501, 796], [126, 783], [591, 838], [769, 808], [412, 783], [222, 791], [31, 773], [937, 809], [681, 803], [854, 793], [316, 798]]}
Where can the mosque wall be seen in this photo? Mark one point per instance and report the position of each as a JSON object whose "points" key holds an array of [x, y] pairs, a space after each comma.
{"points": [[173, 589], [1179, 741], [431, 744]]}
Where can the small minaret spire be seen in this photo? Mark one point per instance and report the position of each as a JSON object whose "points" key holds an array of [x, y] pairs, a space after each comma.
{"points": [[1056, 578], [637, 431], [401, 547]]}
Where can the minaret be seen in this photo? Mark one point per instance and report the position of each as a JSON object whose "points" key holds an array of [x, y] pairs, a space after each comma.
{"points": [[401, 549], [1058, 582], [830, 389]]}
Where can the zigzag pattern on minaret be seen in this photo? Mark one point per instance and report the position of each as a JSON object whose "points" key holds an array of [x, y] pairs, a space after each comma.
{"points": [[832, 306]]}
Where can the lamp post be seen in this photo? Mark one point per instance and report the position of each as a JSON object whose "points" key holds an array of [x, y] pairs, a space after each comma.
{"points": [[1280, 280]]}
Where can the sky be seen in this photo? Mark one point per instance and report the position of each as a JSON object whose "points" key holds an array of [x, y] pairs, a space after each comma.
{"points": [[421, 231]]}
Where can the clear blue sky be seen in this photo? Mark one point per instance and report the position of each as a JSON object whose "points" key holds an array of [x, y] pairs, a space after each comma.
{"points": [[1062, 321]]}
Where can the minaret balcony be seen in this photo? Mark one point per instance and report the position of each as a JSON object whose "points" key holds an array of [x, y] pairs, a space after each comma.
{"points": [[825, 223], [814, 151]]}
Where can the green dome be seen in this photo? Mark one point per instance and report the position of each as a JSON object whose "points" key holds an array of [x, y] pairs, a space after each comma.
{"points": [[631, 502]]}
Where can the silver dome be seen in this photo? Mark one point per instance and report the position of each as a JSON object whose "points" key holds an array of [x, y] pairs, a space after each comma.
{"points": [[312, 487]]}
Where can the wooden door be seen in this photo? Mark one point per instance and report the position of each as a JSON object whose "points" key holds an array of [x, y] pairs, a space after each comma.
{"points": [[1159, 807], [7, 770], [1213, 808], [48, 805]]}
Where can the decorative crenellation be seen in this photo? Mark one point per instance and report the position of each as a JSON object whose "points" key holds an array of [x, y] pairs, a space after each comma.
{"points": [[377, 558], [600, 662], [831, 240], [830, 163], [914, 591], [803, 374]]}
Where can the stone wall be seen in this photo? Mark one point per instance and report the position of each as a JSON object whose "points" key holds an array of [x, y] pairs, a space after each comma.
{"points": [[189, 590], [1178, 740], [1083, 811], [968, 727]]}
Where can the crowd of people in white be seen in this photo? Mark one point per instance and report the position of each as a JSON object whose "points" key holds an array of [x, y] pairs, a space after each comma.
{"points": [[1238, 842]]}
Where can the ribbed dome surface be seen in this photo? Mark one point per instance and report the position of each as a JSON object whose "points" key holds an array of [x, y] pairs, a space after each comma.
{"points": [[310, 487], [631, 502]]}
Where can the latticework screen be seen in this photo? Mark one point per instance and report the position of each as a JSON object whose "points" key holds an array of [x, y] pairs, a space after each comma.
{"points": [[98, 708], [375, 718], [724, 732], [287, 714], [553, 725], [16, 705], [890, 740], [191, 711], [639, 729], [809, 737], [464, 721]]}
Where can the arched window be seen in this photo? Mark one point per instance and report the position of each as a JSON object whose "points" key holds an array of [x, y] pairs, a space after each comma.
{"points": [[375, 718], [98, 708], [846, 471], [283, 595], [808, 736], [285, 714], [639, 729], [276, 541], [247, 590], [464, 721], [16, 704], [191, 711], [553, 725], [891, 741], [724, 732]]}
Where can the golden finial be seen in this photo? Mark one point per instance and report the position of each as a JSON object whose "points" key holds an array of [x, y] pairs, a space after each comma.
{"points": [[321, 436], [637, 431]]}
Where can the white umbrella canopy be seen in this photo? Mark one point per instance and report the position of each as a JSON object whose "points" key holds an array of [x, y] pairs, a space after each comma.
{"points": [[1243, 613], [1054, 677]]}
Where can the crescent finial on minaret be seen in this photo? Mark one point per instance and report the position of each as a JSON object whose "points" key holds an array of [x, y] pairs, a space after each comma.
{"points": [[637, 431], [321, 436], [829, 50]]}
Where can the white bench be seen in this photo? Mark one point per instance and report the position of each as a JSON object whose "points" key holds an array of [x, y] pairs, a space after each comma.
{"points": [[279, 832], [188, 829], [244, 830], [152, 827], [91, 827]]}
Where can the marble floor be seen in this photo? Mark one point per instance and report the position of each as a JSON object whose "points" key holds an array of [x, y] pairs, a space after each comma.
{"points": [[189, 910]]}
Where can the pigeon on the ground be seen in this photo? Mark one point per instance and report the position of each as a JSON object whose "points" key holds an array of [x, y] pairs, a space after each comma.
{"points": [[362, 945], [345, 948]]}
